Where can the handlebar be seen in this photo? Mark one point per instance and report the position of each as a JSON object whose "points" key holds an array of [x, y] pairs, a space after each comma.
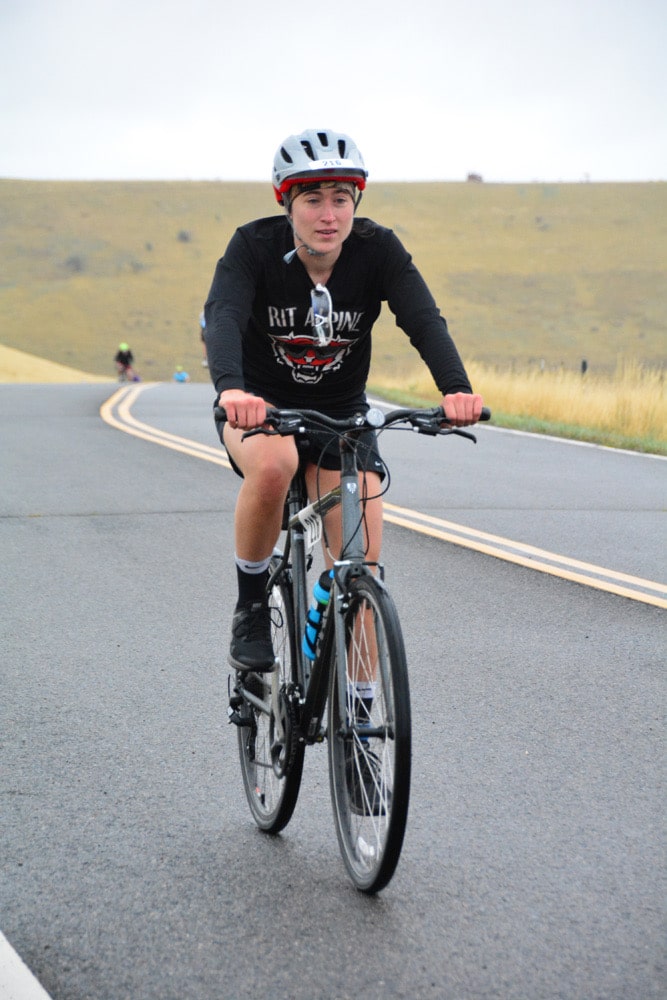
{"points": [[289, 422]]}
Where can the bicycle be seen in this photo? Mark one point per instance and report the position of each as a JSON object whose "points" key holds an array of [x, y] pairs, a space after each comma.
{"points": [[355, 692], [126, 373]]}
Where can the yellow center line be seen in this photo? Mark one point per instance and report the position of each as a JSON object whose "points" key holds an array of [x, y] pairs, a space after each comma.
{"points": [[521, 547], [116, 412], [552, 569], [122, 401]]}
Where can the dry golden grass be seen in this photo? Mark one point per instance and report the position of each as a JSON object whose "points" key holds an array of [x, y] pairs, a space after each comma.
{"points": [[17, 366], [626, 408], [633, 401], [532, 273], [527, 275]]}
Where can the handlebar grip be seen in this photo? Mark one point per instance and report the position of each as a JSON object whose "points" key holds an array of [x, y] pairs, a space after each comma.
{"points": [[484, 415]]}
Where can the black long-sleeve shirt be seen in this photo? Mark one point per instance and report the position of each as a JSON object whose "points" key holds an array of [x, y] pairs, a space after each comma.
{"points": [[259, 334]]}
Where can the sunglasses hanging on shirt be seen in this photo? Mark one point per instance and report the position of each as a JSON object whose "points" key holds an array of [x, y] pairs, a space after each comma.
{"points": [[320, 300]]}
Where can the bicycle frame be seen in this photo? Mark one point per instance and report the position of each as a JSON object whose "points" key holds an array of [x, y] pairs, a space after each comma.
{"points": [[313, 677]]}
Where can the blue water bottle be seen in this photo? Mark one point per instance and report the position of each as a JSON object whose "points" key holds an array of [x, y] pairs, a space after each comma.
{"points": [[321, 593]]}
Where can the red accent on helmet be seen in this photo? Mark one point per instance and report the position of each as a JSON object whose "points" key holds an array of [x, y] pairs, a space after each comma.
{"points": [[289, 182]]}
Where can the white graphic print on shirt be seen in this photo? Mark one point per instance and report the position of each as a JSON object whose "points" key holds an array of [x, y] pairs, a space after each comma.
{"points": [[310, 362]]}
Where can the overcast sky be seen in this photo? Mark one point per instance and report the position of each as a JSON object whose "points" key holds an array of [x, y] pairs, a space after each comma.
{"points": [[519, 90]]}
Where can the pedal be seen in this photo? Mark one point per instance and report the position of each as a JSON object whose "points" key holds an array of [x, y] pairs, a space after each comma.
{"points": [[233, 714], [235, 702]]}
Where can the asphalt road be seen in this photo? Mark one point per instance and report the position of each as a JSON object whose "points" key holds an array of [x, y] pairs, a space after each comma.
{"points": [[533, 865]]}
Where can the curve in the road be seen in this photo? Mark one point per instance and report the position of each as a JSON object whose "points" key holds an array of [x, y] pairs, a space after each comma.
{"points": [[117, 412]]}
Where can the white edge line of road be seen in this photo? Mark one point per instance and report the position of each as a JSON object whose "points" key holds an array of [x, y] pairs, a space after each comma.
{"points": [[16, 980], [573, 442]]}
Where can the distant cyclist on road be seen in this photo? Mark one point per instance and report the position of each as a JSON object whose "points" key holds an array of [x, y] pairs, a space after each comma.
{"points": [[265, 347], [124, 361]]}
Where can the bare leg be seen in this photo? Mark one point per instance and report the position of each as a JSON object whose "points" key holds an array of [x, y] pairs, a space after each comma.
{"points": [[320, 482], [268, 465]]}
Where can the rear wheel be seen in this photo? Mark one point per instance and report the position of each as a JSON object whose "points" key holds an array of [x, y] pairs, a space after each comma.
{"points": [[370, 737], [271, 757]]}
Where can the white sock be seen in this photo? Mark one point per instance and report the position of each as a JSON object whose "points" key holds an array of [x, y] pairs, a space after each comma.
{"points": [[253, 568], [363, 689]]}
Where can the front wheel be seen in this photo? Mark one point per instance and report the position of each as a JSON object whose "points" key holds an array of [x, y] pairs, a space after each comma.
{"points": [[270, 753], [370, 737]]}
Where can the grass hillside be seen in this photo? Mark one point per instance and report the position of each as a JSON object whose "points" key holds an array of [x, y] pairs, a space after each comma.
{"points": [[527, 275]]}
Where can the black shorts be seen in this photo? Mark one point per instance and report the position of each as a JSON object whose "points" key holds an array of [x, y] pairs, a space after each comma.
{"points": [[321, 448]]}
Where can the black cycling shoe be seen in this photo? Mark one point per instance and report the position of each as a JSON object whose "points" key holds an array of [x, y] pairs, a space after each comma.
{"points": [[251, 647], [363, 775]]}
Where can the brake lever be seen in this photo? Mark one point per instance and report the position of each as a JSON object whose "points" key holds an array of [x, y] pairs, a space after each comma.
{"points": [[427, 424], [272, 426], [459, 432], [268, 431]]}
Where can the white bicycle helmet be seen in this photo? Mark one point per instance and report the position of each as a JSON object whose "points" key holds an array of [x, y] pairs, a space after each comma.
{"points": [[317, 154]]}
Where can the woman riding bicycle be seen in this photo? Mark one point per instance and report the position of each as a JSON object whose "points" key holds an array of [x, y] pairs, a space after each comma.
{"points": [[265, 349]]}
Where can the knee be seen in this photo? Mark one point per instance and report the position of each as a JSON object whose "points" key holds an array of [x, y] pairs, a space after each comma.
{"points": [[272, 476]]}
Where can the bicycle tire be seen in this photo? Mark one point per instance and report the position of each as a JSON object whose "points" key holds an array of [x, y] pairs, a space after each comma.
{"points": [[370, 813], [272, 770]]}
